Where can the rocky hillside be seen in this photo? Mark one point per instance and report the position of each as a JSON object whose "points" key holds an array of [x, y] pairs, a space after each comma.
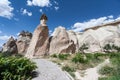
{"points": [[63, 41]]}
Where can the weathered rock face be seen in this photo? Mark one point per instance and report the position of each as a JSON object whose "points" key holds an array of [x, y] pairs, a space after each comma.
{"points": [[60, 42], [10, 46], [0, 49], [72, 36], [38, 45], [23, 42], [97, 39]]}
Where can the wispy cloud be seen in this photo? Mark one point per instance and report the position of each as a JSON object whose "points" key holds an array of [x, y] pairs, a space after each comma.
{"points": [[50, 32], [0, 32], [6, 9], [56, 8], [78, 26], [25, 12], [16, 19], [4, 37], [56, 2]]}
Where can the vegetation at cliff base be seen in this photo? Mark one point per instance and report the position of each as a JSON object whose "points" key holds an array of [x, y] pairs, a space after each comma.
{"points": [[112, 71], [16, 68], [79, 61], [74, 62], [61, 56]]}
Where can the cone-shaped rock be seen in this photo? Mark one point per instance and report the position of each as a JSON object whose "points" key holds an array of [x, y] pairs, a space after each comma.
{"points": [[39, 43], [10, 46], [60, 42], [23, 42]]}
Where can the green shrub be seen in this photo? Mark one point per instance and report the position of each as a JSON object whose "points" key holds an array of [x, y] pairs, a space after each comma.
{"points": [[63, 56], [72, 74], [110, 48], [114, 55], [18, 55], [6, 54], [112, 73], [115, 61], [107, 48], [89, 56], [106, 70], [83, 48], [97, 55], [54, 55], [102, 78], [12, 68], [68, 68], [110, 78], [79, 58], [60, 56]]}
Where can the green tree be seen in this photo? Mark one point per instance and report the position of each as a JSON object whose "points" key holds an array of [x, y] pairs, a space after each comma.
{"points": [[107, 48], [83, 48]]}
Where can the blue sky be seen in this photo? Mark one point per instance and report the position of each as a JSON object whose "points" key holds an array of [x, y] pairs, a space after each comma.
{"points": [[18, 15]]}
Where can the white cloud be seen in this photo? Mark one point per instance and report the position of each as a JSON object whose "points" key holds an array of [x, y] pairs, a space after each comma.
{"points": [[16, 19], [40, 3], [4, 37], [41, 10], [50, 32], [56, 8], [43, 3], [111, 16], [118, 18], [93, 22], [17, 34], [25, 12], [1, 43], [6, 9]]}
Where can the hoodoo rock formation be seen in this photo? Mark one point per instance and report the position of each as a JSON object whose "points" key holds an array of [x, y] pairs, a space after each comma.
{"points": [[19, 45], [39, 42], [61, 43], [10, 46], [23, 41]]}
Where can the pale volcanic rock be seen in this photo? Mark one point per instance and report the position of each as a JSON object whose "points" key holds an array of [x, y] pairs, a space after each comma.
{"points": [[23, 42], [60, 42], [72, 36], [97, 39], [10, 46], [39, 43]]}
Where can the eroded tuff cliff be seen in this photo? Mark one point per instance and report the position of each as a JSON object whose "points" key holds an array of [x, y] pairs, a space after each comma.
{"points": [[63, 41], [19, 45]]}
